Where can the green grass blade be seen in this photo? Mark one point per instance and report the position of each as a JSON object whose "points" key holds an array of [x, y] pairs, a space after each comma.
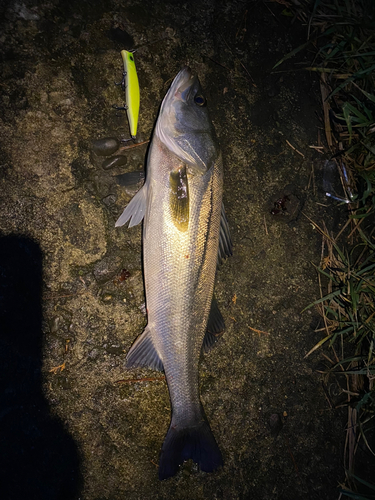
{"points": [[292, 53], [357, 76], [327, 297], [347, 360], [320, 343], [351, 494], [327, 275], [369, 96], [369, 485], [361, 117], [331, 311], [366, 269], [363, 401], [340, 332], [362, 371]]}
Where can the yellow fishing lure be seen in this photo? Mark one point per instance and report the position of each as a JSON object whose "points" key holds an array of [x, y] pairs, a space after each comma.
{"points": [[131, 86]]}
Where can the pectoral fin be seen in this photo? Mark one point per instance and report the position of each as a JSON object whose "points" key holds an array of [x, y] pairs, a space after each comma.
{"points": [[136, 209], [179, 198]]}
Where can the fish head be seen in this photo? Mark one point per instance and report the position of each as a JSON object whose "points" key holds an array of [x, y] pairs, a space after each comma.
{"points": [[184, 125]]}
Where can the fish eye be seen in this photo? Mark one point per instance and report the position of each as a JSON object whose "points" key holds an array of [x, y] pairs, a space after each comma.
{"points": [[200, 100]]}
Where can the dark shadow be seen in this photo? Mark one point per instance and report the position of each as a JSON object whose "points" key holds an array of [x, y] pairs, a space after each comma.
{"points": [[38, 458]]}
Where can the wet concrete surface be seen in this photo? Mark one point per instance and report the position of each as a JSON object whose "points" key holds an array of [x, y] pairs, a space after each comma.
{"points": [[81, 425]]}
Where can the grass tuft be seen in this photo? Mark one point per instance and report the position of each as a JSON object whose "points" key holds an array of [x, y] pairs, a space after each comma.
{"points": [[341, 39]]}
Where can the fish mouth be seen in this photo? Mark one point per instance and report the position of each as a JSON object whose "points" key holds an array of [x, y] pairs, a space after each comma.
{"points": [[179, 89], [183, 81]]}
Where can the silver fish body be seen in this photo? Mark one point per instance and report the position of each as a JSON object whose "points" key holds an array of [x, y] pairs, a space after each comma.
{"points": [[181, 202]]}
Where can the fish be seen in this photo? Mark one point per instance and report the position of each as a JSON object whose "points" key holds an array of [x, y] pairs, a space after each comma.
{"points": [[130, 85], [185, 237]]}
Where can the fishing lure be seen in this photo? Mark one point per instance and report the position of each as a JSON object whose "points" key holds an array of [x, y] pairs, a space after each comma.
{"points": [[130, 85]]}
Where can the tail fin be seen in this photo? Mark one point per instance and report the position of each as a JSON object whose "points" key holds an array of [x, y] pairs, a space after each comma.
{"points": [[197, 443]]}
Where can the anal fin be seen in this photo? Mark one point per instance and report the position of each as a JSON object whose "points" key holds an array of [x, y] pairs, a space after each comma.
{"points": [[144, 353]]}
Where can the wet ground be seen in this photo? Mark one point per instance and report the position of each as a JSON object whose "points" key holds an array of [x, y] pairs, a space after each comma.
{"points": [[72, 300]]}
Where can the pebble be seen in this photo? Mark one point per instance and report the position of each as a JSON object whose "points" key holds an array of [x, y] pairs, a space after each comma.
{"points": [[55, 323], [276, 424], [106, 146], [114, 161], [110, 200], [106, 268]]}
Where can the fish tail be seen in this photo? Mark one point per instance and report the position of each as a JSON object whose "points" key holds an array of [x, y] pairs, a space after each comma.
{"points": [[196, 442]]}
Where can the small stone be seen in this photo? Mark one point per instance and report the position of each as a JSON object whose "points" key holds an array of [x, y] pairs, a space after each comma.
{"points": [[54, 324], [106, 146], [110, 200], [276, 424], [106, 268], [114, 161]]}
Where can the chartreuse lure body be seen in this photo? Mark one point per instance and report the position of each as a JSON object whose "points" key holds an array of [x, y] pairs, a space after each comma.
{"points": [[131, 87]]}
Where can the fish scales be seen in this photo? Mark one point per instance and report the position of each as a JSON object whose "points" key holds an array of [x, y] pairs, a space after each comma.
{"points": [[179, 294], [184, 220]]}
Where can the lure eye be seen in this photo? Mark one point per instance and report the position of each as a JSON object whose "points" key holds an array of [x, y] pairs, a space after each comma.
{"points": [[200, 100], [131, 58]]}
